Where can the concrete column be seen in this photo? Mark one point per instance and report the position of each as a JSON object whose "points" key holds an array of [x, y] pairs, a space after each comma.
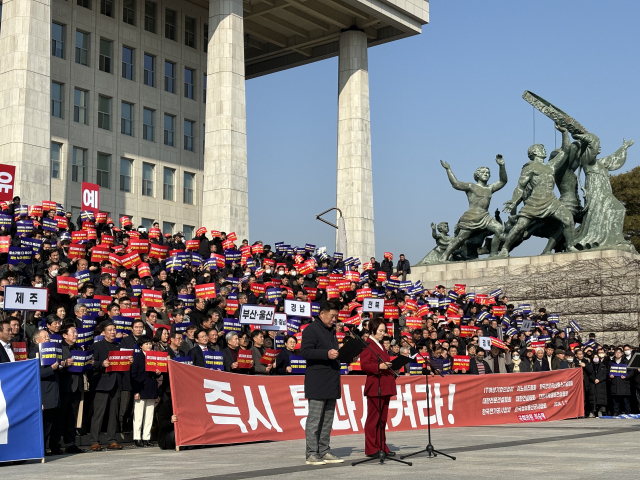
{"points": [[25, 95], [225, 193], [355, 187]]}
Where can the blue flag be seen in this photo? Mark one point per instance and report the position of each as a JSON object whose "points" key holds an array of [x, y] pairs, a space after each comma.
{"points": [[21, 420]]}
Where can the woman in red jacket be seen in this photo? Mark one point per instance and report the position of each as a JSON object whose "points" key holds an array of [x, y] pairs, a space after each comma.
{"points": [[376, 370]]}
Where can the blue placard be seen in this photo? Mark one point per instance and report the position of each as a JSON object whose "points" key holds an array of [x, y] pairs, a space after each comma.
{"points": [[50, 353], [85, 336], [83, 276], [415, 368], [213, 360], [315, 309], [20, 254], [273, 293], [181, 327], [5, 220], [49, 225], [24, 227], [618, 369], [189, 300], [33, 243], [174, 264], [278, 342], [185, 360], [344, 369], [123, 324], [293, 325], [137, 290], [231, 325], [211, 263], [92, 306], [298, 364], [81, 361]]}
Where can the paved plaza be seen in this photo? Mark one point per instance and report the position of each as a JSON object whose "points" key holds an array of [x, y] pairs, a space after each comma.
{"points": [[572, 449]]}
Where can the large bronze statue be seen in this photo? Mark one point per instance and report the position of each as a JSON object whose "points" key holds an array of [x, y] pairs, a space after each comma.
{"points": [[477, 219]]}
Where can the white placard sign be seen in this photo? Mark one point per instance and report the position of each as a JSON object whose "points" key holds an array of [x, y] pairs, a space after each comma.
{"points": [[484, 343], [257, 314], [25, 298], [526, 325], [373, 305], [297, 309], [279, 323]]}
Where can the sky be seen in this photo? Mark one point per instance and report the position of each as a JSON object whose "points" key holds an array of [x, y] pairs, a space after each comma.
{"points": [[453, 92]]}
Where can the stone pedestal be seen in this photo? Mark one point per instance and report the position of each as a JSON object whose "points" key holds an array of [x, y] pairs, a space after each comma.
{"points": [[25, 96], [354, 182], [225, 204], [599, 289]]}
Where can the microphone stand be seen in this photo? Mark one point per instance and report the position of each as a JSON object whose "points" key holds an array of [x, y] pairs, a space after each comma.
{"points": [[381, 453], [431, 452]]}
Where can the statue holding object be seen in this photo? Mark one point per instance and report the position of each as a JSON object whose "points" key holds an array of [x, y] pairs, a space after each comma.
{"points": [[477, 219]]}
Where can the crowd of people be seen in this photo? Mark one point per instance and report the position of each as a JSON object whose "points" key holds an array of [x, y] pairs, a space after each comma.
{"points": [[42, 247]]}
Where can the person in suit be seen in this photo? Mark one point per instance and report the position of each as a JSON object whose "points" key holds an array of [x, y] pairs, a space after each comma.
{"points": [[378, 375], [130, 342], [145, 392], [319, 347], [50, 392], [6, 351], [107, 386], [195, 353], [230, 353], [71, 384]]}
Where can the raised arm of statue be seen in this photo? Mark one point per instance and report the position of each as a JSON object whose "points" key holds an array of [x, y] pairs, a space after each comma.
{"points": [[618, 158], [588, 156], [566, 141], [558, 160], [502, 175], [434, 232], [511, 205], [452, 178]]}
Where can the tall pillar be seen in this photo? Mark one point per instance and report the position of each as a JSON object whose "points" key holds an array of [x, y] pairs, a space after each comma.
{"points": [[225, 192], [355, 186], [25, 96]]}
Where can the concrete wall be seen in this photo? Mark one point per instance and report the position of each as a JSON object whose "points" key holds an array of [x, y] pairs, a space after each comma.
{"points": [[599, 289]]}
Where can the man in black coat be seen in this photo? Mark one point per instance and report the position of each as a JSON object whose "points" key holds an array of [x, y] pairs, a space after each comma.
{"points": [[403, 268], [130, 342], [6, 351], [107, 388], [201, 346], [321, 383], [71, 384]]}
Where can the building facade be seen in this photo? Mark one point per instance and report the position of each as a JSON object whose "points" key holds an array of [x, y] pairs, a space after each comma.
{"points": [[146, 99]]}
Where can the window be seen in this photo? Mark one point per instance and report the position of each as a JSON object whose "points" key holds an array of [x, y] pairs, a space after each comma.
{"points": [[169, 129], [167, 227], [147, 124], [126, 167], [189, 127], [57, 40], [56, 148], [127, 63], [170, 24], [126, 120], [84, 3], [147, 179], [188, 231], [104, 112], [149, 69], [104, 168], [106, 48], [56, 99], [129, 11], [106, 7], [80, 101], [82, 48], [168, 183], [147, 223], [190, 32], [188, 83], [150, 17], [205, 37], [78, 166], [169, 77], [188, 187], [204, 88]]}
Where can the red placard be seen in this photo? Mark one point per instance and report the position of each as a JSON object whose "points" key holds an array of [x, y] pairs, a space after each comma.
{"points": [[363, 293], [468, 330], [139, 245], [496, 342], [7, 176], [343, 285], [19, 350], [391, 311], [156, 361], [323, 282], [111, 271], [62, 222], [154, 233], [48, 205], [90, 197], [245, 359], [101, 217], [130, 260], [413, 322], [105, 300], [108, 240], [258, 288], [115, 259], [119, 361], [499, 311], [232, 306], [144, 270], [207, 290], [382, 277], [333, 292], [35, 210], [219, 260], [158, 251], [461, 362], [232, 236], [151, 298], [227, 244], [67, 285], [130, 312], [269, 356], [352, 276], [99, 253], [76, 250], [312, 292], [78, 235], [193, 245], [334, 277], [5, 242], [257, 248], [460, 288]]}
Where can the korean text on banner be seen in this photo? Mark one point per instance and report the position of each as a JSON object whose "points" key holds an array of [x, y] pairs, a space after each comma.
{"points": [[220, 407]]}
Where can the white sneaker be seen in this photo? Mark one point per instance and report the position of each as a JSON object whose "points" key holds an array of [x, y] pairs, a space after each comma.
{"points": [[331, 458], [314, 460]]}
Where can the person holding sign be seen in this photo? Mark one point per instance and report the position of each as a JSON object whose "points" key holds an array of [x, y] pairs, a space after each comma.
{"points": [[145, 391], [50, 394], [283, 360], [71, 384], [620, 383], [319, 347], [377, 373]]}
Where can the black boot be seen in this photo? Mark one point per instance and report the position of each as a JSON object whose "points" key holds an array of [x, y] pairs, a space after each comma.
{"points": [[139, 443]]}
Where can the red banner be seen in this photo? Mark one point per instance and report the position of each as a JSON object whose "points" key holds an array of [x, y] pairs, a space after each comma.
{"points": [[7, 175], [220, 408], [90, 197]]}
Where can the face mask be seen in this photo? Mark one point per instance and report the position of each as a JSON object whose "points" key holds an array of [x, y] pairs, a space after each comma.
{"points": [[293, 272], [596, 360], [516, 357], [601, 354], [38, 285], [54, 273], [627, 352], [268, 271], [570, 359], [280, 272]]}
